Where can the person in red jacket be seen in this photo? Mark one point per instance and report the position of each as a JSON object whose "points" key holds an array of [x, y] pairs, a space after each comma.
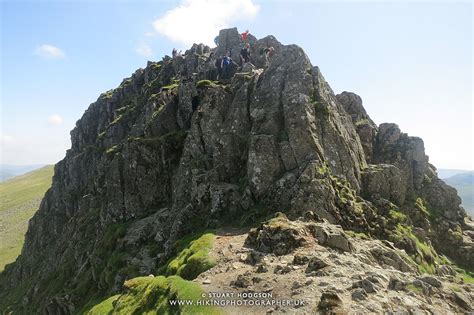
{"points": [[245, 35]]}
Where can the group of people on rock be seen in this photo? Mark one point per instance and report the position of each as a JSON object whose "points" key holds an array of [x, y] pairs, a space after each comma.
{"points": [[225, 65]]}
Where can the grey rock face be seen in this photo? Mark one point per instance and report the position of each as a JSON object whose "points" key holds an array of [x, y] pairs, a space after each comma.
{"points": [[407, 153], [384, 181], [170, 152], [366, 128]]}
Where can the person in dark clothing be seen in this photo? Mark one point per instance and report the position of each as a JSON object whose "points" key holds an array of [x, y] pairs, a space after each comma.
{"points": [[245, 55], [174, 53], [226, 66]]}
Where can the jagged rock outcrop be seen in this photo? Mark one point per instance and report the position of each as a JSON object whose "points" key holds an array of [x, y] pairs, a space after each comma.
{"points": [[365, 127], [172, 151]]}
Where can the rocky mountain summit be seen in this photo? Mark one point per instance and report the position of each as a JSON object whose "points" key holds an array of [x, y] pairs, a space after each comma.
{"points": [[173, 152]]}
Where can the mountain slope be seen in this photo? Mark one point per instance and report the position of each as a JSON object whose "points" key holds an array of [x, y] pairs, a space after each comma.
{"points": [[20, 198], [173, 151], [464, 184], [444, 173]]}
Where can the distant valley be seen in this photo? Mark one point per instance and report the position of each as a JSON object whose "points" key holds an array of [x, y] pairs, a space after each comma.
{"points": [[463, 181]]}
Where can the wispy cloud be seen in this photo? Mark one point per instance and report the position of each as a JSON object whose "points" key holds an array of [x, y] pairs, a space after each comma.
{"points": [[49, 51], [144, 50], [200, 20], [55, 120]]}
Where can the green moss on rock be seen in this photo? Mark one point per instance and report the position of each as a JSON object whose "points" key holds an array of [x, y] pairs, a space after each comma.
{"points": [[170, 87], [204, 83], [193, 259], [113, 149], [397, 216], [155, 295]]}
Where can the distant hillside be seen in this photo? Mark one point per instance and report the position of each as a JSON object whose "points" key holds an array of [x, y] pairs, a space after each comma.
{"points": [[464, 184], [9, 171], [20, 198], [448, 172]]}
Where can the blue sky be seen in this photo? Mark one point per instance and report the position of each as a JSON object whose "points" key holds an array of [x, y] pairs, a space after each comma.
{"points": [[410, 62]]}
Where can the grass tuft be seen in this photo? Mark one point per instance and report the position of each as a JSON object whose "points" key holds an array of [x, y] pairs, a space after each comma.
{"points": [[194, 259]]}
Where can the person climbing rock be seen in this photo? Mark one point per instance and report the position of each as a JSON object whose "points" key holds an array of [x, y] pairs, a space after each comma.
{"points": [[244, 36], [174, 53], [245, 55], [268, 54], [226, 66]]}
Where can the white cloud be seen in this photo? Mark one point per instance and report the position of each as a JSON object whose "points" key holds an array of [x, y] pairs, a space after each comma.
{"points": [[55, 120], [200, 20], [144, 50], [49, 51]]}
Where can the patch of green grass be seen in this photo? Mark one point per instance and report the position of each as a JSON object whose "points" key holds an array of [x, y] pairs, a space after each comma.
{"points": [[101, 135], [362, 122], [397, 216], [152, 295], [414, 288], [359, 235], [420, 206], [107, 95], [345, 194], [113, 149], [116, 120], [157, 112], [323, 169], [155, 66], [170, 87], [121, 110], [20, 198], [204, 83], [426, 262], [194, 259], [105, 307], [464, 275]]}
